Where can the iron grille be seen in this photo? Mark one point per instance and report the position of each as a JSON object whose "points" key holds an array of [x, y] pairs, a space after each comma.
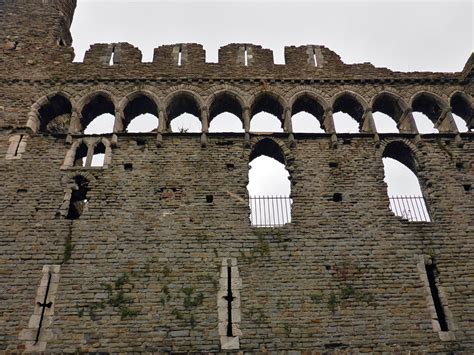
{"points": [[412, 208], [270, 211]]}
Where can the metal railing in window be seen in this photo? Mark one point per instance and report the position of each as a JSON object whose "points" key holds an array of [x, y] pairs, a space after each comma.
{"points": [[270, 211], [412, 208]]}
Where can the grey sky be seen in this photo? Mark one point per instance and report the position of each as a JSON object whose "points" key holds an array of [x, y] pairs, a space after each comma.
{"points": [[402, 35]]}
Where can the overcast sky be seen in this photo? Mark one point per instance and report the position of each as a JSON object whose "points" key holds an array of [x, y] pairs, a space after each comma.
{"points": [[399, 35]]}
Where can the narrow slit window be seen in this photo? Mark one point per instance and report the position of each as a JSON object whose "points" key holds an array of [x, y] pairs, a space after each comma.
{"points": [[246, 58], [180, 56], [314, 58], [431, 273], [111, 61]]}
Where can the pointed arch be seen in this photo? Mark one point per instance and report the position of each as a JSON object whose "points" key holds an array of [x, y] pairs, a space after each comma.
{"points": [[138, 103], [350, 104], [461, 105], [226, 101], [309, 103], [94, 105], [183, 102], [51, 113], [268, 102], [389, 104], [270, 148], [429, 104]]}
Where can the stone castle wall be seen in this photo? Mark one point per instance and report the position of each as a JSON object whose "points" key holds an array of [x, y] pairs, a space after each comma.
{"points": [[143, 267]]}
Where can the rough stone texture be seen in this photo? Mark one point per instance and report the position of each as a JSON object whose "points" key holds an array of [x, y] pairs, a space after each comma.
{"points": [[149, 233]]}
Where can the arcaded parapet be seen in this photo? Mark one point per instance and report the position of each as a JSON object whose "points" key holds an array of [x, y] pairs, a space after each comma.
{"points": [[155, 248]]}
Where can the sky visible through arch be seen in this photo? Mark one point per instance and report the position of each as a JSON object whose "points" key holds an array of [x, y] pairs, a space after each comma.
{"points": [[399, 35]]}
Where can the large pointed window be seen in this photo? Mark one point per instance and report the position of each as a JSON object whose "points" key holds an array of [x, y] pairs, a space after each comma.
{"points": [[225, 114], [463, 113], [403, 187], [269, 186], [426, 112], [266, 114], [141, 115], [307, 115], [183, 114], [98, 115], [55, 115], [387, 112], [347, 114]]}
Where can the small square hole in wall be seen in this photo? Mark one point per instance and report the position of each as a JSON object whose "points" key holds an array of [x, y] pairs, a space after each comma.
{"points": [[467, 187], [230, 166], [128, 166], [140, 141], [460, 165], [209, 198], [21, 191], [333, 164], [328, 267], [337, 197]]}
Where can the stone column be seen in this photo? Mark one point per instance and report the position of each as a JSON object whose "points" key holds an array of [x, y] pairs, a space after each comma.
{"points": [[246, 118], [205, 125], [407, 124], [287, 125], [161, 127], [368, 124], [446, 123]]}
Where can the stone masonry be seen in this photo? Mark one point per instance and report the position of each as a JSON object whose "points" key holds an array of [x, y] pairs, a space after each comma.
{"points": [[154, 251]]}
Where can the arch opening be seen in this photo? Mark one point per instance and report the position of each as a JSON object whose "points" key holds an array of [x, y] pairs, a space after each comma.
{"points": [[269, 186], [55, 115], [183, 114], [307, 115], [98, 158], [462, 111], [225, 114], [266, 114], [80, 158], [98, 115], [387, 113], [426, 108], [141, 115], [348, 114], [403, 186]]}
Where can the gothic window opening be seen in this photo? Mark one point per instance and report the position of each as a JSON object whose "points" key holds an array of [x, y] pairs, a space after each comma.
{"points": [[426, 112], [98, 116], [269, 186], [141, 115], [463, 113], [225, 114], [80, 158], [387, 112], [98, 157], [266, 114], [183, 114], [307, 115], [55, 115], [347, 114], [403, 187], [78, 201]]}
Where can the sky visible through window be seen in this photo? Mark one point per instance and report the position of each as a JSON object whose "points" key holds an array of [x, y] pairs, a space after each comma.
{"points": [[358, 31]]}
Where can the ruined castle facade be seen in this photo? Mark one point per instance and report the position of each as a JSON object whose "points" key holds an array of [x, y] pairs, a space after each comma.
{"points": [[154, 250]]}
